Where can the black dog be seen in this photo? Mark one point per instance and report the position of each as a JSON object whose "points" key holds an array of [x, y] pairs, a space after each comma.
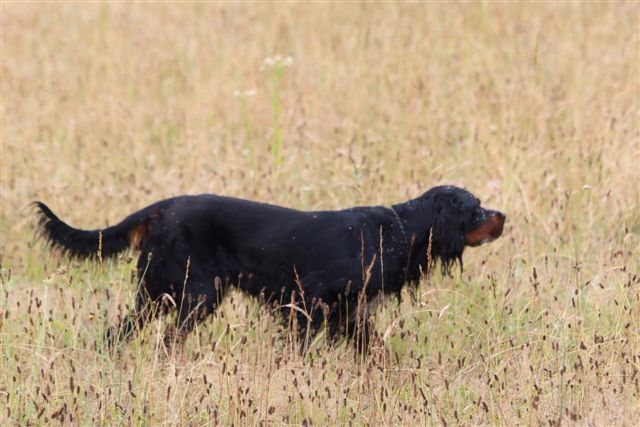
{"points": [[319, 267]]}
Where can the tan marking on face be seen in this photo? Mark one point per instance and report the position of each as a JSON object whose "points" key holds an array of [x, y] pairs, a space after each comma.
{"points": [[489, 230]]}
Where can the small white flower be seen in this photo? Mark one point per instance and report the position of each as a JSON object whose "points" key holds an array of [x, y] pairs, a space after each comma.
{"points": [[276, 61], [244, 94], [268, 61]]}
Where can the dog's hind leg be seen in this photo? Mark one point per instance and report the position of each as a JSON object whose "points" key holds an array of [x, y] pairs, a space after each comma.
{"points": [[351, 319], [357, 330], [144, 311], [359, 333], [147, 303], [201, 298]]}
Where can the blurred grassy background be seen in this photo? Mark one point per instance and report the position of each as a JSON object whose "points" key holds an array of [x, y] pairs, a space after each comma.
{"points": [[534, 108]]}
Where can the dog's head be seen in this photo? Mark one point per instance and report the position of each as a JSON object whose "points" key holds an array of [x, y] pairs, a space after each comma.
{"points": [[457, 220]]}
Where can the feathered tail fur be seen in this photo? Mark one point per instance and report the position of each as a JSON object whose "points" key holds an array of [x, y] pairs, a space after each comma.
{"points": [[104, 242]]}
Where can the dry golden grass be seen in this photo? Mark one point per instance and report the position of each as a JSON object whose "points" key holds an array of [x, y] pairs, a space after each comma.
{"points": [[534, 108]]}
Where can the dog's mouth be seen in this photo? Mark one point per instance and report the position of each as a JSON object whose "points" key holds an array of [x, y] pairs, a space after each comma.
{"points": [[488, 229]]}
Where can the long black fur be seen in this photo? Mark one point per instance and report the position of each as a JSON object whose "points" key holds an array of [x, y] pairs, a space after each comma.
{"points": [[322, 265]]}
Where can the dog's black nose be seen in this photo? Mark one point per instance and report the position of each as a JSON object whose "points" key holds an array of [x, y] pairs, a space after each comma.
{"points": [[489, 213]]}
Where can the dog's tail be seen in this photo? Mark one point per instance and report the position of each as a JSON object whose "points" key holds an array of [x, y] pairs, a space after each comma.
{"points": [[104, 242]]}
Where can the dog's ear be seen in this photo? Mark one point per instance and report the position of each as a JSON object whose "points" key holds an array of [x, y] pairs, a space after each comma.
{"points": [[446, 231]]}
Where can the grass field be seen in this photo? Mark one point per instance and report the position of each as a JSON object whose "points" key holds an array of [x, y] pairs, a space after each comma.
{"points": [[106, 108]]}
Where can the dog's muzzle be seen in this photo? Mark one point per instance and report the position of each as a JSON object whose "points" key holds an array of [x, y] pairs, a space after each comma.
{"points": [[487, 229]]}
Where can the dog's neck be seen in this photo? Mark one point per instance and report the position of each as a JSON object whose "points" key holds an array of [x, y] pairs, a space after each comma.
{"points": [[417, 225], [412, 217]]}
